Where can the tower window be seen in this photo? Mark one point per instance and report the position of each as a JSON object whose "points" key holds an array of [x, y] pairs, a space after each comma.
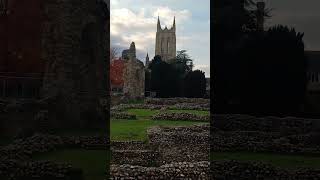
{"points": [[161, 44], [168, 45]]}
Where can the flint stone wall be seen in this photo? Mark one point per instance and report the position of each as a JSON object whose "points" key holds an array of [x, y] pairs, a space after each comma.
{"points": [[128, 145], [287, 125], [16, 159], [135, 157], [231, 170], [74, 43], [180, 170], [17, 118], [255, 141], [179, 106], [16, 170], [181, 117], [23, 149], [191, 106], [173, 101], [235, 170], [265, 134], [178, 144], [134, 153], [134, 78], [123, 107]]}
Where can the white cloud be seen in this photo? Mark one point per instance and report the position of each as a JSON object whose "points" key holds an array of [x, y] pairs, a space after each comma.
{"points": [[166, 15], [140, 26], [136, 20]]}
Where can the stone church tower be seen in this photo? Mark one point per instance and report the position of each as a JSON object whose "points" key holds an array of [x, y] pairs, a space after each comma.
{"points": [[166, 42]]}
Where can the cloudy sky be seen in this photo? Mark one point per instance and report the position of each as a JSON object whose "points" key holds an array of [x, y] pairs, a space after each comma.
{"points": [[304, 15], [136, 20]]}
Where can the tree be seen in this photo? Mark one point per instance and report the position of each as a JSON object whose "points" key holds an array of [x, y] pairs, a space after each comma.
{"points": [[251, 15], [271, 76], [114, 52], [184, 61], [195, 84], [147, 80], [163, 80]]}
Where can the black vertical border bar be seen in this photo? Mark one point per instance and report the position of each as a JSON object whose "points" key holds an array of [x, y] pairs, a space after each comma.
{"points": [[107, 26]]}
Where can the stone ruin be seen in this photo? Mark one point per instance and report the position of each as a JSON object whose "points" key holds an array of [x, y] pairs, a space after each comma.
{"points": [[75, 41], [171, 152], [133, 75], [74, 48]]}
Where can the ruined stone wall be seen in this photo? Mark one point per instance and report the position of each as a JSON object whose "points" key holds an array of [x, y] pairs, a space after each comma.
{"points": [[232, 170], [288, 135], [17, 117], [75, 50], [181, 170], [134, 79], [286, 125], [173, 101], [179, 144]]}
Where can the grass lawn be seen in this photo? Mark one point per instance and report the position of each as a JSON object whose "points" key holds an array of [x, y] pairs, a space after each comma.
{"points": [[122, 130], [280, 160], [192, 112], [92, 162], [143, 113], [137, 129]]}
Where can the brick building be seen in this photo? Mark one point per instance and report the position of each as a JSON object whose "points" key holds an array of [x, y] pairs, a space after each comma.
{"points": [[116, 75]]}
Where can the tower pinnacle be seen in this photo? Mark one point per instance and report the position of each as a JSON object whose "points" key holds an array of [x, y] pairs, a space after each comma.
{"points": [[158, 25], [147, 60], [174, 23]]}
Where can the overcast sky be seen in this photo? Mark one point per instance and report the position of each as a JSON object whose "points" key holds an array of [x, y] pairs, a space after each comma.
{"points": [[136, 20], [304, 15]]}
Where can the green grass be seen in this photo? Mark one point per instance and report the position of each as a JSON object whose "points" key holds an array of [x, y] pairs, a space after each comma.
{"points": [[92, 162], [280, 160], [192, 112], [137, 129], [143, 113], [140, 101]]}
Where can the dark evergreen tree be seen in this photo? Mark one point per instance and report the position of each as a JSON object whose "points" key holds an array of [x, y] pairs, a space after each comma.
{"points": [[147, 81], [195, 84], [271, 76], [163, 80]]}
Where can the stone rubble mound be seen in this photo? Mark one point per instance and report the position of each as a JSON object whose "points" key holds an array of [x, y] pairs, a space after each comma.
{"points": [[255, 141], [178, 170], [173, 101], [181, 116], [286, 125], [235, 170], [16, 159], [191, 106]]}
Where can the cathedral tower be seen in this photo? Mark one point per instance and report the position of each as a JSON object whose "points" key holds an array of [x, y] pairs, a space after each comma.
{"points": [[166, 42]]}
